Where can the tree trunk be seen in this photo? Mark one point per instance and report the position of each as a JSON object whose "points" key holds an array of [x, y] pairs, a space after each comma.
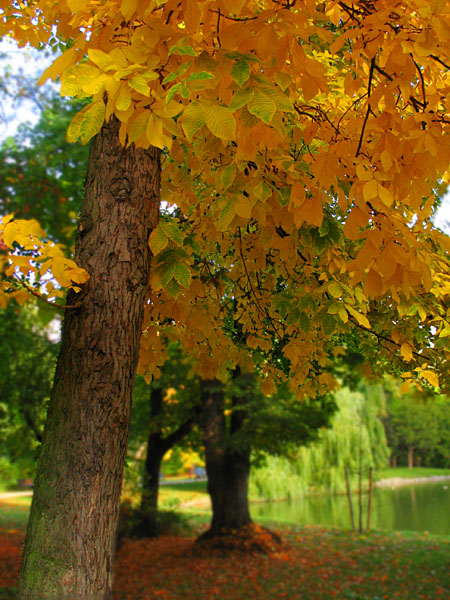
{"points": [[69, 546], [157, 447], [411, 457], [227, 467], [155, 453]]}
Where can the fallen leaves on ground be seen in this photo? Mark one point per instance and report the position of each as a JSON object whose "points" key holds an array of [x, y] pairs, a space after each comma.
{"points": [[312, 563], [11, 544]]}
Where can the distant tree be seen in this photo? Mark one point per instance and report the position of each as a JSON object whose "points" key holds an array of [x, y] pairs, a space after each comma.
{"points": [[27, 363], [417, 427], [355, 440], [41, 174], [165, 413], [240, 424]]}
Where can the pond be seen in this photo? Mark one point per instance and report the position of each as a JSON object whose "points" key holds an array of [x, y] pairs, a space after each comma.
{"points": [[421, 507]]}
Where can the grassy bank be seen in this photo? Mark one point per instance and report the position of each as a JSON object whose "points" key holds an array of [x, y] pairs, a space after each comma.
{"points": [[406, 473]]}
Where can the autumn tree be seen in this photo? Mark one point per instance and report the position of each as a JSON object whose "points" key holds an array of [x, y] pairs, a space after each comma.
{"points": [[303, 146]]}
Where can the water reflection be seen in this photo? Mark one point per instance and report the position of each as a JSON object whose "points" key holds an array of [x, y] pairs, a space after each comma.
{"points": [[424, 507]]}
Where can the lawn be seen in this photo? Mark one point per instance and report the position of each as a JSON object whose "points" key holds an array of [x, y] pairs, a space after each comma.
{"points": [[406, 473], [313, 563]]}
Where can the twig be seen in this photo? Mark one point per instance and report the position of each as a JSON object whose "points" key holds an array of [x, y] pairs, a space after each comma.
{"points": [[37, 295]]}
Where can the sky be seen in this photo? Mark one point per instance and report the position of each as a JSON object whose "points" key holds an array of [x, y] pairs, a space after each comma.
{"points": [[33, 62]]}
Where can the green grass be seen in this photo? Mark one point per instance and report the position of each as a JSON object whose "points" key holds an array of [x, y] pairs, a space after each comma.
{"points": [[190, 486], [14, 513], [406, 473]]}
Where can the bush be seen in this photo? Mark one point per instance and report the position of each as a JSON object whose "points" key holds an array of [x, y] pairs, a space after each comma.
{"points": [[137, 524]]}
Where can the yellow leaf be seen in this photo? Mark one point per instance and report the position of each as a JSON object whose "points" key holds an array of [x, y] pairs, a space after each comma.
{"points": [[406, 351], [343, 314], [138, 126], [370, 190], [123, 98], [92, 121], [61, 64], [385, 195], [335, 289], [386, 160], [312, 211], [431, 377], [363, 174], [243, 207], [192, 119], [362, 319], [139, 84], [23, 232], [128, 8], [220, 121], [155, 133], [78, 275], [100, 58], [406, 386]]}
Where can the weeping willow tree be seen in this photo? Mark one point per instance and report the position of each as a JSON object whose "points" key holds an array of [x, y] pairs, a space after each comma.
{"points": [[357, 441]]}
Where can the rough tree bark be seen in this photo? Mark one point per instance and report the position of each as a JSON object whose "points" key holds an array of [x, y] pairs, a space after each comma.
{"points": [[157, 447], [227, 464], [69, 546]]}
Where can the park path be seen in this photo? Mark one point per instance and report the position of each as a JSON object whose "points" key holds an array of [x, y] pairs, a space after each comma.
{"points": [[6, 495]]}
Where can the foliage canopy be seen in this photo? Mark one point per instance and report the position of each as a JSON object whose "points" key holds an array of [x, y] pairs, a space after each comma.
{"points": [[304, 145]]}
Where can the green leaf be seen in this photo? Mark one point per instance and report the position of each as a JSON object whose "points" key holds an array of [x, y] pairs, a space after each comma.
{"points": [[228, 175], [200, 76], [92, 121], [168, 271], [192, 119], [241, 98], [284, 80], [182, 50], [182, 274], [262, 106], [170, 77], [240, 71], [172, 231], [220, 121], [304, 322], [171, 93], [334, 289], [282, 102], [184, 90], [158, 240], [173, 288], [226, 215], [329, 325], [262, 191]]}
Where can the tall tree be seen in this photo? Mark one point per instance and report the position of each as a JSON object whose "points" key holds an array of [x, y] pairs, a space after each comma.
{"points": [[305, 144], [94, 379]]}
